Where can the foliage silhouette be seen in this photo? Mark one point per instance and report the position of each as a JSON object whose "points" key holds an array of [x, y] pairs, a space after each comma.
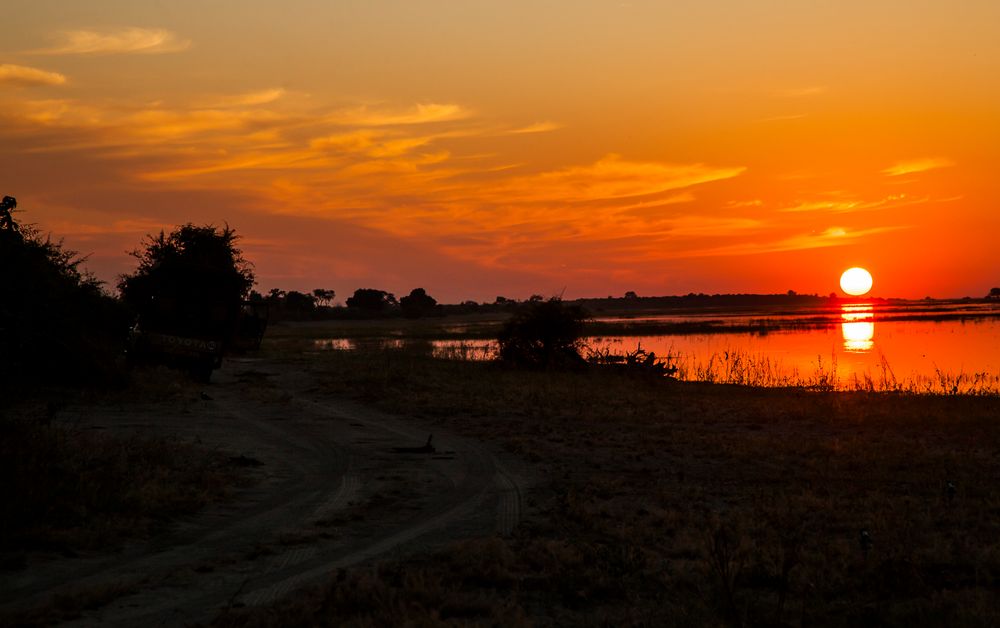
{"points": [[417, 303], [56, 325], [543, 334], [190, 282], [7, 222], [323, 296], [299, 302], [371, 300], [188, 293]]}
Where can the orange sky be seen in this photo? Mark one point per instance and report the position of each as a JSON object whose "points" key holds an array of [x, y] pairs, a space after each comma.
{"points": [[484, 148]]}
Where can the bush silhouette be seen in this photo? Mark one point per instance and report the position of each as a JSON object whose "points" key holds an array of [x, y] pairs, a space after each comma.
{"points": [[190, 282], [417, 303], [56, 325], [371, 300], [543, 334]]}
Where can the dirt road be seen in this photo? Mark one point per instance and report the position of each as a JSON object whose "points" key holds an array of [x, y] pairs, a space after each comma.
{"points": [[331, 493]]}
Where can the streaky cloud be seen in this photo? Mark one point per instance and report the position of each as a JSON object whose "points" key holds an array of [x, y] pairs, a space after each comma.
{"points": [[614, 177], [252, 99], [836, 205], [537, 127], [24, 76], [130, 40], [832, 236], [418, 114], [913, 166]]}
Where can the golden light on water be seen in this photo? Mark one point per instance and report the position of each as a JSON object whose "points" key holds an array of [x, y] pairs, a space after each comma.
{"points": [[856, 281], [858, 328]]}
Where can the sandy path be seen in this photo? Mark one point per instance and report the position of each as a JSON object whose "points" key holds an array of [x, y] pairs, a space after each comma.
{"points": [[332, 494]]}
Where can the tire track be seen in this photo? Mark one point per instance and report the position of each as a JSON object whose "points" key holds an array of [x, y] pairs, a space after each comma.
{"points": [[322, 457]]}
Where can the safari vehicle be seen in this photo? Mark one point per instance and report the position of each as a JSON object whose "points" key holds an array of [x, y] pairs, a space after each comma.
{"points": [[195, 337]]}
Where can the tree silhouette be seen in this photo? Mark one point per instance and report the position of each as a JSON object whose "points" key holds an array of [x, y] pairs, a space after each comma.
{"points": [[190, 282], [543, 334], [371, 300], [994, 293], [56, 325], [417, 303], [299, 302], [323, 296]]}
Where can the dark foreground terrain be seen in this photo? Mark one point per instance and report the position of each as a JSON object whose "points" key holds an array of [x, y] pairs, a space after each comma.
{"points": [[588, 498]]}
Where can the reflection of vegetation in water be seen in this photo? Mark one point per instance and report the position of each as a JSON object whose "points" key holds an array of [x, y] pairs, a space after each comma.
{"points": [[728, 366]]}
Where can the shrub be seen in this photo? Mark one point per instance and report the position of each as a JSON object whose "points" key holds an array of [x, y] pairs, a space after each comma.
{"points": [[417, 304], [371, 300], [543, 334], [56, 324], [192, 280]]}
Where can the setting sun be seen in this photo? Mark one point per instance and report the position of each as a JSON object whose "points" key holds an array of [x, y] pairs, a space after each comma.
{"points": [[856, 281]]}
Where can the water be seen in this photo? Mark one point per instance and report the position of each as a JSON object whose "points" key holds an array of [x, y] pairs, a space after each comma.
{"points": [[852, 346], [855, 349]]}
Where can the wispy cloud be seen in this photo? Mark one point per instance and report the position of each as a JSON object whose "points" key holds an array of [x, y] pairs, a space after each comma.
{"points": [[418, 114], [655, 208], [23, 76], [833, 236], [131, 40], [756, 202], [537, 127], [418, 171], [845, 205], [252, 99], [378, 142], [917, 165], [613, 177]]}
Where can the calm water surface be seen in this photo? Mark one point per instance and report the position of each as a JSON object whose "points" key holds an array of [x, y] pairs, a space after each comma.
{"points": [[851, 343], [855, 347]]}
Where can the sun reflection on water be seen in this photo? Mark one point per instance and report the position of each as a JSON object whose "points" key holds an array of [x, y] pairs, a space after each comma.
{"points": [[858, 328]]}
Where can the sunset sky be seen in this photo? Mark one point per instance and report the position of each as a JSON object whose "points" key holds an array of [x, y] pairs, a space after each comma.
{"points": [[479, 148]]}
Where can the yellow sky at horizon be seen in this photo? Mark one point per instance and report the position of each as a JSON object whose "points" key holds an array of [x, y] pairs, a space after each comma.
{"points": [[483, 148]]}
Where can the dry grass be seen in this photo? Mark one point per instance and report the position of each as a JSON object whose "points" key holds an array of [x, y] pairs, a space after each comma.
{"points": [[670, 503], [474, 585], [745, 368], [67, 490], [68, 606]]}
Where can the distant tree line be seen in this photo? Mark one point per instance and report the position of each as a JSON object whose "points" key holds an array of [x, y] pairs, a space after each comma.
{"points": [[376, 303], [365, 303]]}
